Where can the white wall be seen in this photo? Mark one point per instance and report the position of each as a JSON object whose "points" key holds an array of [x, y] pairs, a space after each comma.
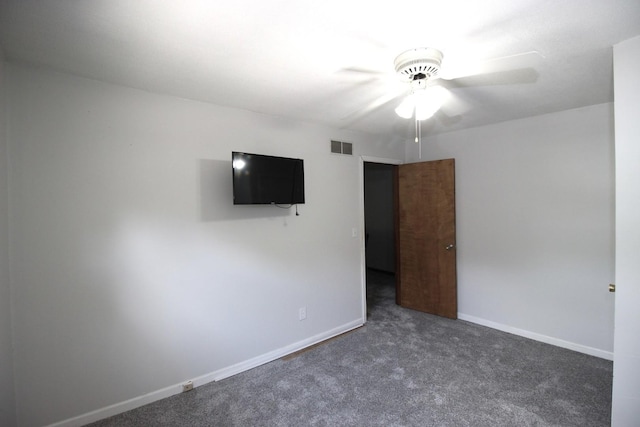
{"points": [[535, 225], [7, 394], [131, 268], [626, 366]]}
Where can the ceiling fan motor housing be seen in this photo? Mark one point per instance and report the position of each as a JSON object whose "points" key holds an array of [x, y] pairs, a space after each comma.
{"points": [[424, 60]]}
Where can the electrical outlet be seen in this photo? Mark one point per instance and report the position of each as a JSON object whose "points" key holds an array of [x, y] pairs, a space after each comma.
{"points": [[188, 386], [302, 313]]}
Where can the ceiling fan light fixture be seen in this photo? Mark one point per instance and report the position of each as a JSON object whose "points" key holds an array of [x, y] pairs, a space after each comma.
{"points": [[424, 103], [406, 107], [429, 101], [424, 112], [419, 66]]}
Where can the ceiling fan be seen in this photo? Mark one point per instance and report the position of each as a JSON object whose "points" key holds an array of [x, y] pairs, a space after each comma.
{"points": [[419, 66], [428, 88]]}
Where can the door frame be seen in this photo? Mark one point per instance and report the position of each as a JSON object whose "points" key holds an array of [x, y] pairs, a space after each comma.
{"points": [[363, 256]]}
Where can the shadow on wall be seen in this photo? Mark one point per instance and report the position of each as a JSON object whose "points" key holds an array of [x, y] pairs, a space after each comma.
{"points": [[216, 196]]}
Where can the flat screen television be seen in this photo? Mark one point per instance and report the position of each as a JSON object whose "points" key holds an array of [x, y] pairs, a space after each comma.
{"points": [[267, 180]]}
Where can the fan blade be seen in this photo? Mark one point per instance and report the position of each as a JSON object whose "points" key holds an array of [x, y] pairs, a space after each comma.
{"points": [[360, 70], [519, 76], [455, 105], [446, 119], [374, 105], [451, 70]]}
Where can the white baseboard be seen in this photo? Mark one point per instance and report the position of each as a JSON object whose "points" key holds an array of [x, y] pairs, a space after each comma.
{"points": [[281, 352], [218, 375], [539, 337]]}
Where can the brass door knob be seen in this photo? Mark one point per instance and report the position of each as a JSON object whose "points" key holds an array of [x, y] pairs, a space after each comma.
{"points": [[612, 287]]}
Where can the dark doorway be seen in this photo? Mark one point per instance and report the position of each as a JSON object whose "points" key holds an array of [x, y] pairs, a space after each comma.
{"points": [[380, 234]]}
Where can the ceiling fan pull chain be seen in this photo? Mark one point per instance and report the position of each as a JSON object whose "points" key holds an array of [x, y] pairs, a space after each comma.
{"points": [[419, 137], [420, 140]]}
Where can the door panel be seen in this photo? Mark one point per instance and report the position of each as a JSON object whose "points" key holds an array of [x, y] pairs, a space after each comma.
{"points": [[426, 237]]}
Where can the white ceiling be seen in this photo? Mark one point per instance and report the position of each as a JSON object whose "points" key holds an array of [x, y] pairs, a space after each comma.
{"points": [[301, 59]]}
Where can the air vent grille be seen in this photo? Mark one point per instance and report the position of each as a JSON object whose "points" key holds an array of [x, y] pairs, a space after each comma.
{"points": [[339, 147], [336, 147]]}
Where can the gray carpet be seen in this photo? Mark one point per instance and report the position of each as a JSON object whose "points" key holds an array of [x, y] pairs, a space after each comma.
{"points": [[404, 368]]}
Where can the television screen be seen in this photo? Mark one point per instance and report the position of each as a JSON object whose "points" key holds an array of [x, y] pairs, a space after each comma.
{"points": [[261, 180]]}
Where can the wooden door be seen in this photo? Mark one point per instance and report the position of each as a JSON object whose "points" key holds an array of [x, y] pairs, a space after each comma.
{"points": [[426, 237]]}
